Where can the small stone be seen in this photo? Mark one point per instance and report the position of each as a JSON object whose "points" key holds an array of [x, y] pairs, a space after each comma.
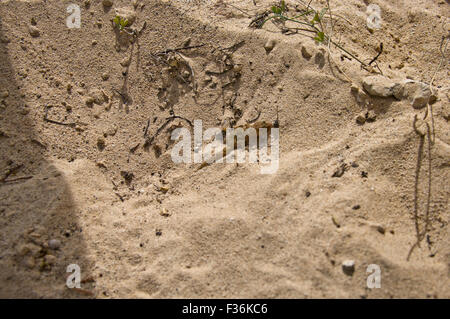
{"points": [[381, 229], [433, 99], [371, 116], [237, 68], [89, 100], [101, 143], [105, 76], [125, 62], [340, 170], [158, 232], [360, 119], [186, 74], [163, 212], [270, 44], [420, 101], [398, 91], [418, 93], [379, 86], [378, 228], [306, 53], [356, 207], [354, 88], [50, 259], [107, 3], [34, 31], [348, 267], [54, 244]]}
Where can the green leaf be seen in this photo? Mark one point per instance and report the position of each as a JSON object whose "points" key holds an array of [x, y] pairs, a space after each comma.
{"points": [[276, 10], [124, 23], [320, 37], [116, 20], [283, 6], [316, 19]]}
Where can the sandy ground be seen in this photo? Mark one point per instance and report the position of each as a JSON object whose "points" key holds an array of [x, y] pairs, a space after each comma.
{"points": [[141, 226]]}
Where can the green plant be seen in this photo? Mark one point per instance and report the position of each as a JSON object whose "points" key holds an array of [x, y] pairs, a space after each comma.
{"points": [[120, 22], [311, 21]]}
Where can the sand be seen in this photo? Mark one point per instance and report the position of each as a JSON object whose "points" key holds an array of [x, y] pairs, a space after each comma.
{"points": [[79, 106]]}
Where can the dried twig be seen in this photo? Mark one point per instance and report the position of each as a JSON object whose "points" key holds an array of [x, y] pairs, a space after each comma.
{"points": [[149, 141], [46, 119], [167, 51]]}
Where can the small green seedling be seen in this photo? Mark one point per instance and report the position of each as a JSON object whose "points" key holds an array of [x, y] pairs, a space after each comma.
{"points": [[279, 9], [310, 20], [120, 22]]}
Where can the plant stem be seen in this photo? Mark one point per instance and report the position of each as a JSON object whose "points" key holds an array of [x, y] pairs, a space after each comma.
{"points": [[315, 29]]}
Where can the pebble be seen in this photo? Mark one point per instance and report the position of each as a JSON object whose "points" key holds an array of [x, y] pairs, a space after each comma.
{"points": [[354, 88], [270, 44], [418, 93], [89, 100], [163, 212], [125, 62], [305, 53], [101, 143], [379, 86], [54, 244], [371, 116], [360, 119], [107, 3], [379, 228], [348, 267], [34, 31], [50, 259]]}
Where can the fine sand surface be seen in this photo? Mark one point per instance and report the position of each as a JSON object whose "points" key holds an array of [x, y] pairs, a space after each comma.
{"points": [[78, 105]]}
